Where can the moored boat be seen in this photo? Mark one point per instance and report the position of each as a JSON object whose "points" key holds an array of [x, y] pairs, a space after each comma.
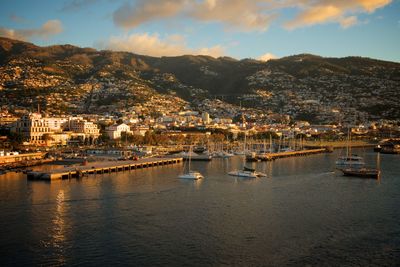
{"points": [[190, 174], [352, 160], [194, 175], [247, 172], [361, 172]]}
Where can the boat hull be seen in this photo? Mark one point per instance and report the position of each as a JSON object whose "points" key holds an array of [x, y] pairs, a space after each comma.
{"points": [[191, 176], [362, 173]]}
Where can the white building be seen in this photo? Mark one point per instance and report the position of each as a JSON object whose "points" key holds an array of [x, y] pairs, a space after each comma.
{"points": [[32, 127], [115, 131], [39, 130]]}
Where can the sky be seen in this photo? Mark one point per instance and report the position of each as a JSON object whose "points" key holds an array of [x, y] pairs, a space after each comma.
{"points": [[259, 29]]}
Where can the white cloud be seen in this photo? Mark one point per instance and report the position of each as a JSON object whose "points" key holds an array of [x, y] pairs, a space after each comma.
{"points": [[49, 28], [348, 22], [153, 45], [250, 15], [267, 56]]}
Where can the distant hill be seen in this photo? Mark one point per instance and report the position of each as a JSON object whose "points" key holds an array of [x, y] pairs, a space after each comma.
{"points": [[25, 66]]}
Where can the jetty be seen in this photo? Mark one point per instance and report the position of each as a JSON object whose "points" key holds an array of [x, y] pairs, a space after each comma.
{"points": [[277, 155], [100, 168]]}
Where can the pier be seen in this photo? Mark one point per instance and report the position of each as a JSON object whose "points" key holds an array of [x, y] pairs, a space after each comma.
{"points": [[273, 156], [100, 168]]}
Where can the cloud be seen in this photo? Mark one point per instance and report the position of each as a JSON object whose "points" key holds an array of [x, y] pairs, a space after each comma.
{"points": [[74, 5], [17, 19], [348, 22], [321, 11], [250, 15], [238, 14], [153, 45], [267, 56], [234, 14], [51, 27], [130, 16]]}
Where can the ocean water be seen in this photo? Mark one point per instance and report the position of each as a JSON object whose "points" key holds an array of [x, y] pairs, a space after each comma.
{"points": [[303, 214]]}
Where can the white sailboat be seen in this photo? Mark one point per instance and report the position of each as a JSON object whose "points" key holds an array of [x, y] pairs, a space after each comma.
{"points": [[193, 175], [247, 172], [349, 160]]}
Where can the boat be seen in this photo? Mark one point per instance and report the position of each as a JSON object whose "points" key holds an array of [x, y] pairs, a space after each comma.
{"points": [[352, 160], [194, 175], [377, 148], [349, 160], [252, 157], [199, 149], [223, 154], [193, 156], [362, 172], [190, 174], [247, 173], [243, 173]]}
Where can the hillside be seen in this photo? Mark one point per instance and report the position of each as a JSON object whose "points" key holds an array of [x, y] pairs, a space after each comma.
{"points": [[71, 79]]}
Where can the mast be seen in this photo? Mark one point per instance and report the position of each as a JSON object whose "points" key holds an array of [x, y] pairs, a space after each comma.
{"points": [[348, 141], [190, 156], [270, 142]]}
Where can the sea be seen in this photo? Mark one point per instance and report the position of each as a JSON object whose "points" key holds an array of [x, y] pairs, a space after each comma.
{"points": [[304, 213]]}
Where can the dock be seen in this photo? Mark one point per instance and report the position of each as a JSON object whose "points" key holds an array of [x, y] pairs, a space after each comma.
{"points": [[277, 155], [100, 168]]}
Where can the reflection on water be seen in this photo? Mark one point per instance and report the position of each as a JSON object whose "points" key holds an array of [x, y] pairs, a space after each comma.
{"points": [[58, 231], [303, 214]]}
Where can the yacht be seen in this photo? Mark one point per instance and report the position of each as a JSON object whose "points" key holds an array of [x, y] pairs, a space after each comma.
{"points": [[353, 160], [193, 175], [247, 172], [349, 160]]}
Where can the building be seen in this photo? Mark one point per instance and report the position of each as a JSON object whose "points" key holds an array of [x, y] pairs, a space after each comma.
{"points": [[56, 124], [115, 131], [88, 130], [206, 118], [33, 128], [38, 130]]}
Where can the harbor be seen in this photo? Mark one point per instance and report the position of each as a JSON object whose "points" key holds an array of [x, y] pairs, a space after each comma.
{"points": [[100, 168]]}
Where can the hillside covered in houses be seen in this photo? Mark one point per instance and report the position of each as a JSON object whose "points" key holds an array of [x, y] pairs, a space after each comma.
{"points": [[65, 79]]}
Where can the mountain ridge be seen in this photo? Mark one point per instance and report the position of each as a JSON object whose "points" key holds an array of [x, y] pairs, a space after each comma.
{"points": [[288, 80]]}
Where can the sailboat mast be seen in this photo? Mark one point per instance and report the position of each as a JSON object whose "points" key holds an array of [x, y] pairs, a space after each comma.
{"points": [[270, 143], [190, 155]]}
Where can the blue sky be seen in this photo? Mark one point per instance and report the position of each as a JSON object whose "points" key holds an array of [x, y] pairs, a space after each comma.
{"points": [[260, 29]]}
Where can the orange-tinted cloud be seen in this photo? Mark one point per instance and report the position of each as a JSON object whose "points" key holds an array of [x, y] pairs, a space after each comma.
{"points": [[130, 16], [234, 14], [250, 15], [153, 45], [51, 27], [321, 11]]}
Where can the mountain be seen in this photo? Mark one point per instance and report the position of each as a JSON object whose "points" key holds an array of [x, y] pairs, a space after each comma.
{"points": [[73, 79]]}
